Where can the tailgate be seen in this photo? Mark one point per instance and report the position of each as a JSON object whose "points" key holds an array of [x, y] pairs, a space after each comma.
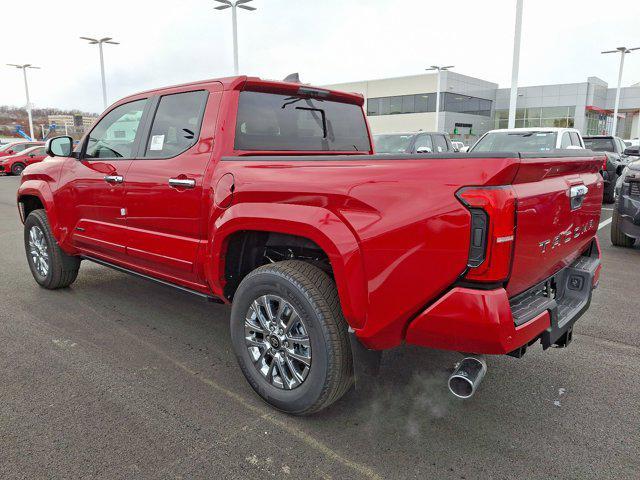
{"points": [[558, 210]]}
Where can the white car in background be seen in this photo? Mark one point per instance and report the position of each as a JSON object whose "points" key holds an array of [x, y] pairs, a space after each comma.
{"points": [[538, 139]]}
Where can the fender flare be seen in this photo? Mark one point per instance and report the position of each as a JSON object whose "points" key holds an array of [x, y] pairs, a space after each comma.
{"points": [[317, 224], [40, 189]]}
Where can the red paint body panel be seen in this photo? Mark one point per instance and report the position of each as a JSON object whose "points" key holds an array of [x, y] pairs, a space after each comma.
{"points": [[475, 321], [395, 233]]}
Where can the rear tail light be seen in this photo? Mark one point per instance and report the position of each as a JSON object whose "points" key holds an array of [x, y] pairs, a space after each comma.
{"points": [[493, 229], [604, 163]]}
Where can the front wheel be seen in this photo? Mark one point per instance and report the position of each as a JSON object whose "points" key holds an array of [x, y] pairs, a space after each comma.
{"points": [[290, 337], [50, 266]]}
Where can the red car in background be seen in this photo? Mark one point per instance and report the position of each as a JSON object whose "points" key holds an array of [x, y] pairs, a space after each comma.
{"points": [[16, 163], [17, 147]]}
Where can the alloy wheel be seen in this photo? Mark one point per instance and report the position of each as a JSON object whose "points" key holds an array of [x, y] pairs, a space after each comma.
{"points": [[39, 250], [278, 342]]}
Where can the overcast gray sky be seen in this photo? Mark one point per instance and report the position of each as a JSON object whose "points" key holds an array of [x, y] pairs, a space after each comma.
{"points": [[327, 41]]}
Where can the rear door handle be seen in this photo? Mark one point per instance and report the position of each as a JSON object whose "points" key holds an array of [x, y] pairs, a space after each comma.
{"points": [[182, 182], [113, 179]]}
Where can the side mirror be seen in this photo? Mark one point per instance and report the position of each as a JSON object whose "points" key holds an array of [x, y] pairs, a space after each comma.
{"points": [[423, 150], [632, 151], [59, 146]]}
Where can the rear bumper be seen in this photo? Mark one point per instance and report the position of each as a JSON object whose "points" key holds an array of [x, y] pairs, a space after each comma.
{"points": [[489, 322]]}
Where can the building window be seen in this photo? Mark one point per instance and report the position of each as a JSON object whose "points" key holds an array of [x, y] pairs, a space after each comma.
{"points": [[533, 117], [426, 102]]}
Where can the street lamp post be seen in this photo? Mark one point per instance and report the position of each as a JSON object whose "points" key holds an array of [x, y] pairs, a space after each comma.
{"points": [[438, 69], [515, 66], [233, 5], [623, 51], [26, 90], [99, 42]]}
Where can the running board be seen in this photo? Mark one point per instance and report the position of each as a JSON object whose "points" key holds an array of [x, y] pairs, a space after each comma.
{"points": [[209, 298]]}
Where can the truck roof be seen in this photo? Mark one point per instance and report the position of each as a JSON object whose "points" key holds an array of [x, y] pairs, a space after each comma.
{"points": [[536, 129], [243, 82]]}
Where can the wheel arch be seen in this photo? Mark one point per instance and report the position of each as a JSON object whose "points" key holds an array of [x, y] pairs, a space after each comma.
{"points": [[313, 225], [34, 194]]}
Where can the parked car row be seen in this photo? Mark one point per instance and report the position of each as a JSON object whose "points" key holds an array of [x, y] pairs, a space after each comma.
{"points": [[16, 163]]}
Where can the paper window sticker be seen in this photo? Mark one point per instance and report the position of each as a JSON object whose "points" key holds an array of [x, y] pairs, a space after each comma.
{"points": [[157, 142]]}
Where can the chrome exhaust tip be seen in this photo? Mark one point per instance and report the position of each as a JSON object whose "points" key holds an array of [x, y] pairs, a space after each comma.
{"points": [[466, 377]]}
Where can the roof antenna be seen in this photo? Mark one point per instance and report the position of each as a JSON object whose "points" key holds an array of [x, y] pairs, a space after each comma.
{"points": [[293, 78]]}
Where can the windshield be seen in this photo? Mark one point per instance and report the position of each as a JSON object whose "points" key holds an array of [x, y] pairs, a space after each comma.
{"points": [[599, 144], [516, 142], [392, 143], [274, 122], [6, 146]]}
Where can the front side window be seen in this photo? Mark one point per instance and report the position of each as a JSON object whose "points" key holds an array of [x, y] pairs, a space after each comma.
{"points": [[440, 143], [20, 147], [274, 122], [575, 139], [422, 142], [566, 140], [115, 134], [176, 124]]}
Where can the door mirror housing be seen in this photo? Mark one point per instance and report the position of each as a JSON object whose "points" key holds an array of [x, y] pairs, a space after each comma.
{"points": [[59, 146], [632, 151], [423, 150]]}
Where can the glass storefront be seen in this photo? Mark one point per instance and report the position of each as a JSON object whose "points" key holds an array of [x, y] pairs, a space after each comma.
{"points": [[426, 102]]}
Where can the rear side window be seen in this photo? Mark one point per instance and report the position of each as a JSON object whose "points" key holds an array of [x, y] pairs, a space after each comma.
{"points": [[268, 121], [440, 143], [176, 124], [566, 140]]}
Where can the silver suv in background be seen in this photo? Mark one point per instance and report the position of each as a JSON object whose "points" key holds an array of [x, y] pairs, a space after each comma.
{"points": [[418, 142]]}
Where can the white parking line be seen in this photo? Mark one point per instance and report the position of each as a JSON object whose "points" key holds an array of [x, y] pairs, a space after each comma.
{"points": [[604, 223]]}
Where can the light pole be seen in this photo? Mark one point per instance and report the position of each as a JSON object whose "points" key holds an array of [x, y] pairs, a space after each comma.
{"points": [[515, 66], [26, 90], [438, 69], [95, 41], [233, 5], [623, 51]]}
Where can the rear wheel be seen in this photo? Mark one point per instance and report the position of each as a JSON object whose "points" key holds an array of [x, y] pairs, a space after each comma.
{"points": [[17, 168], [618, 237], [290, 337], [50, 266]]}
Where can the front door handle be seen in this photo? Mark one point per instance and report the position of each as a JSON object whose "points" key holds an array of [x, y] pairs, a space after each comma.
{"points": [[182, 182], [113, 179]]}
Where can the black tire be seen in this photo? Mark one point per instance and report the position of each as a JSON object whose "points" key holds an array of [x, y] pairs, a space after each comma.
{"points": [[609, 190], [618, 237], [313, 295], [62, 268], [17, 168]]}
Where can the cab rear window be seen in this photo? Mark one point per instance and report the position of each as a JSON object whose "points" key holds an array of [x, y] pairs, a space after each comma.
{"points": [[274, 122]]}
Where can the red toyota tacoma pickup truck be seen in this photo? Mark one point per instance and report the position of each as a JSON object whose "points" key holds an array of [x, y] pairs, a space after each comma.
{"points": [[269, 195]]}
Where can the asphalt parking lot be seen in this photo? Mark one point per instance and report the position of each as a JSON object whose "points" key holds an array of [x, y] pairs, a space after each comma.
{"points": [[117, 377]]}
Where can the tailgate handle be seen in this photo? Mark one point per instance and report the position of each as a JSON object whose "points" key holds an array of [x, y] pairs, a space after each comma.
{"points": [[577, 194]]}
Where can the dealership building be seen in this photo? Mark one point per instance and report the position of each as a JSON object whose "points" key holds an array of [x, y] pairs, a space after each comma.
{"points": [[470, 106]]}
